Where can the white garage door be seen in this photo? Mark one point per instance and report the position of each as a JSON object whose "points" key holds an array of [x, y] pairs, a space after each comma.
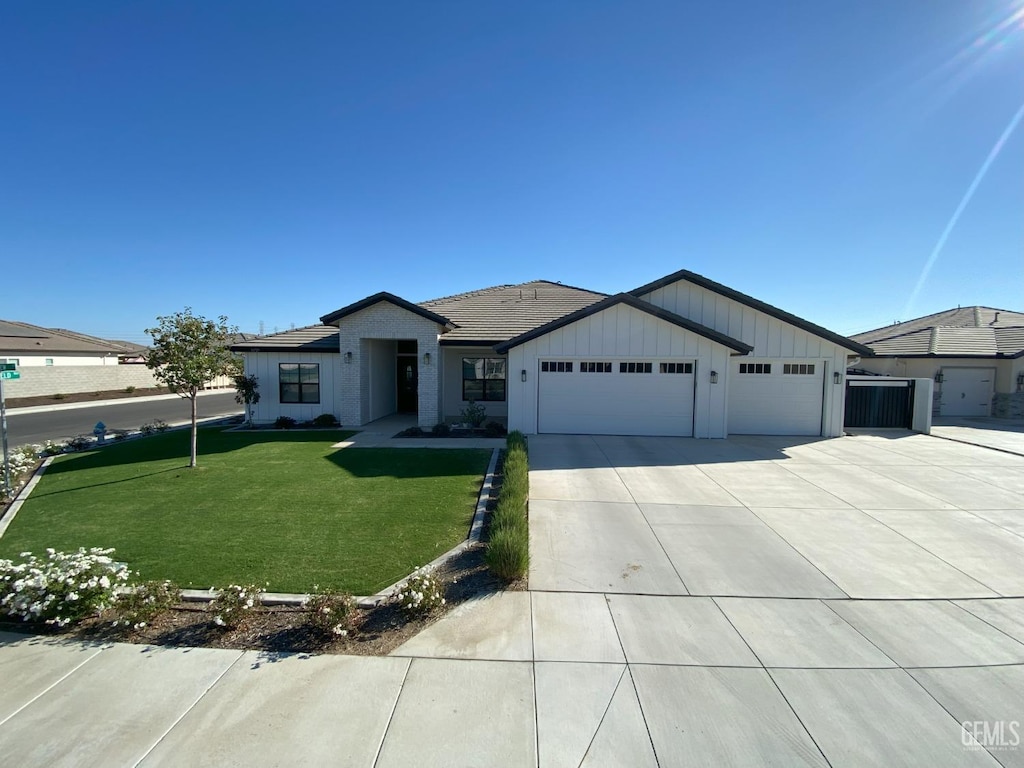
{"points": [[616, 397], [775, 397], [966, 391]]}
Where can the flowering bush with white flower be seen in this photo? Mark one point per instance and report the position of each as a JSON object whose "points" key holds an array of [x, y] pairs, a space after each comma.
{"points": [[50, 448], [24, 459], [61, 588], [422, 593], [330, 613], [139, 605], [234, 602]]}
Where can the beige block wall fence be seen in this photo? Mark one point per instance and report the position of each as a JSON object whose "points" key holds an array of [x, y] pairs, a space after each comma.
{"points": [[37, 381]]}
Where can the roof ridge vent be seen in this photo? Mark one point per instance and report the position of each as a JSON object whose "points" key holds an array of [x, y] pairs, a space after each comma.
{"points": [[977, 317]]}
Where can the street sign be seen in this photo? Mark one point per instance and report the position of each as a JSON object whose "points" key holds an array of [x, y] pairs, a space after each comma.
{"points": [[8, 366], [9, 375]]}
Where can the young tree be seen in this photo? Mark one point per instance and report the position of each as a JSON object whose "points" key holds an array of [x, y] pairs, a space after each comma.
{"points": [[247, 392], [188, 351]]}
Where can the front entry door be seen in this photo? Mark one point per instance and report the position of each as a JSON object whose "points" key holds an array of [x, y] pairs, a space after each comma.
{"points": [[407, 390]]}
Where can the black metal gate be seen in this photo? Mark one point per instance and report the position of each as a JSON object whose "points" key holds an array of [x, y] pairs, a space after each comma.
{"points": [[881, 403]]}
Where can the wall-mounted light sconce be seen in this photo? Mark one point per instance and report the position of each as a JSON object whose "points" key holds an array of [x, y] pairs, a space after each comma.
{"points": [[1020, 382], [522, 375], [426, 358], [938, 377], [348, 357], [837, 377], [714, 377]]}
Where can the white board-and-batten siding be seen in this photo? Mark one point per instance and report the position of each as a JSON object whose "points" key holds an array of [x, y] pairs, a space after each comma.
{"points": [[772, 339], [263, 365], [619, 333]]}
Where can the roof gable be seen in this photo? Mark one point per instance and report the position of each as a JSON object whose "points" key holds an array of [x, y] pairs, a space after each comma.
{"points": [[390, 298], [750, 301], [630, 300]]}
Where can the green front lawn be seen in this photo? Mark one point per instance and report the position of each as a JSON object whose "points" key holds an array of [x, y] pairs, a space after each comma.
{"points": [[277, 507]]}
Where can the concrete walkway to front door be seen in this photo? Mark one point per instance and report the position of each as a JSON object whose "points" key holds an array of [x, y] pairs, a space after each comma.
{"points": [[753, 601]]}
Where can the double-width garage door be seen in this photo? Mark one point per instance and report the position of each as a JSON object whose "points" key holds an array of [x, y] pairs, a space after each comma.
{"points": [[775, 397], [616, 397]]}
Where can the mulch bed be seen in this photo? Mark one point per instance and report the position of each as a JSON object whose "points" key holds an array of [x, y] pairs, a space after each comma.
{"points": [[375, 632], [85, 397]]}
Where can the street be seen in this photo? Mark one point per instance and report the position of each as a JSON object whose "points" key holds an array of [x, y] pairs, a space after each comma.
{"points": [[120, 414]]}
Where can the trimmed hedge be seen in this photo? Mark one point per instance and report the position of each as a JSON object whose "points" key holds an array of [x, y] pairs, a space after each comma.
{"points": [[508, 551]]}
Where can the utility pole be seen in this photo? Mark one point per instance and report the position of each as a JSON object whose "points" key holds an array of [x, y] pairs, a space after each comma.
{"points": [[3, 429]]}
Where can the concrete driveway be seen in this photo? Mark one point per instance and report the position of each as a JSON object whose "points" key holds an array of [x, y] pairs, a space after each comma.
{"points": [[755, 601]]}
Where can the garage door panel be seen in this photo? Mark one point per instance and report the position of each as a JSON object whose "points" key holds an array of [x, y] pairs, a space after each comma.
{"points": [[776, 403], [615, 403], [966, 391]]}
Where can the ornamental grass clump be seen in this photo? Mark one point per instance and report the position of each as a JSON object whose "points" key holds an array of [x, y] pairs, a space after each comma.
{"points": [[421, 593], [138, 606], [234, 603], [60, 588], [330, 614], [508, 548]]}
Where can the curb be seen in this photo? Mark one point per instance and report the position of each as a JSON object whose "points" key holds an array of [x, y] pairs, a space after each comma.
{"points": [[977, 445]]}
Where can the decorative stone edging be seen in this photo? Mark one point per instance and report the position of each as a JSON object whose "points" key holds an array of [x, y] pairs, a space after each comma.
{"points": [[23, 495]]}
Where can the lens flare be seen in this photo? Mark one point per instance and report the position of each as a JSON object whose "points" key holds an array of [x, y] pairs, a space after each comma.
{"points": [[964, 201]]}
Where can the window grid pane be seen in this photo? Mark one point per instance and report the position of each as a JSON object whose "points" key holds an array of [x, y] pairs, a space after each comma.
{"points": [[802, 369]]}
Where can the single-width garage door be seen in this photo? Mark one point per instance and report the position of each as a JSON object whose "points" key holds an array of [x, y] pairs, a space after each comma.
{"points": [[967, 391], [775, 397], [616, 397]]}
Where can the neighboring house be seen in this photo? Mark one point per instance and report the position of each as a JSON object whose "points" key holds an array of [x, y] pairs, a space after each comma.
{"points": [[680, 356], [975, 355], [31, 345]]}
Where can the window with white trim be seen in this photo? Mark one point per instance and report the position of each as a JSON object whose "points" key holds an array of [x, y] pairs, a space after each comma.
{"points": [[589, 367], [676, 367], [556, 366], [755, 367], [801, 369]]}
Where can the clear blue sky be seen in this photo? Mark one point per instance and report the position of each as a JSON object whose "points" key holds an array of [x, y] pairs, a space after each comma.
{"points": [[274, 161]]}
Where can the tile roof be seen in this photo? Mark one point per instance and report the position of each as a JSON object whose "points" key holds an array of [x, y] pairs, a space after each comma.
{"points": [[962, 332], [24, 338], [502, 312], [311, 338]]}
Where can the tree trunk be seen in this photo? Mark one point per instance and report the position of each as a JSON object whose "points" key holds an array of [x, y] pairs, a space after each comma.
{"points": [[195, 430]]}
